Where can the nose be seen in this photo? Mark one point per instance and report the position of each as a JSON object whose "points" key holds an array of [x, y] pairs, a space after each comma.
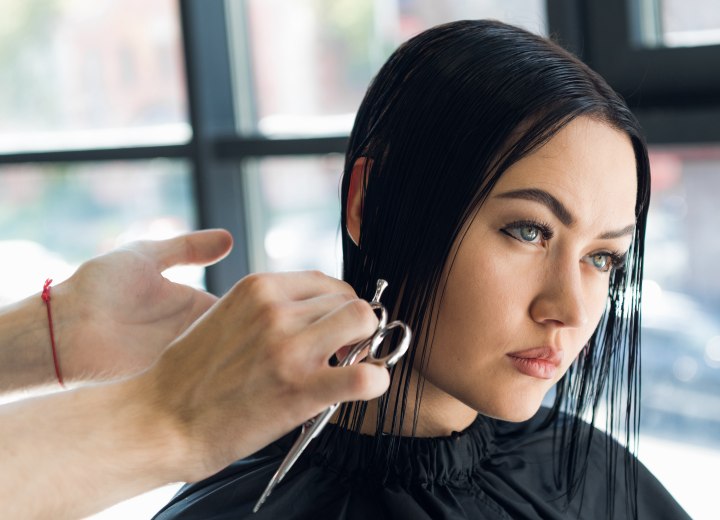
{"points": [[560, 300]]}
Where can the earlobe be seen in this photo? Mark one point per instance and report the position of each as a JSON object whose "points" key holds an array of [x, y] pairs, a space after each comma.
{"points": [[355, 198]]}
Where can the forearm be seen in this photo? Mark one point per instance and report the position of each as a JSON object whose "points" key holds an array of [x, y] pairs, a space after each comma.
{"points": [[25, 352], [71, 454], [250, 369]]}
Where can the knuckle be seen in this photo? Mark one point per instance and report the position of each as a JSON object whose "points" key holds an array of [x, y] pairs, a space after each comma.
{"points": [[317, 274], [363, 314], [347, 288], [332, 283], [256, 285]]}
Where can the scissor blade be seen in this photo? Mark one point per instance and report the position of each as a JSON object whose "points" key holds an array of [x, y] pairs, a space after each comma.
{"points": [[311, 430], [287, 463], [273, 482]]}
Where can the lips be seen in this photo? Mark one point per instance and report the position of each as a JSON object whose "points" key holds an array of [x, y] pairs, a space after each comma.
{"points": [[539, 362]]}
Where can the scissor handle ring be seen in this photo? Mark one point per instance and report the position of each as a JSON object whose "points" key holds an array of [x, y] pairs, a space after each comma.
{"points": [[390, 359]]}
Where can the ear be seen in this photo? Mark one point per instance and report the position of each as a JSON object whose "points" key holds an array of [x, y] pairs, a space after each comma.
{"points": [[355, 197]]}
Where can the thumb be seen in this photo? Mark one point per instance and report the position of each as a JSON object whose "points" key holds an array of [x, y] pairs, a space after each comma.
{"points": [[198, 248]]}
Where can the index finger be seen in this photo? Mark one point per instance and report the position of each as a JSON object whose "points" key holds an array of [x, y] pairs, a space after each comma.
{"points": [[303, 285], [346, 325]]}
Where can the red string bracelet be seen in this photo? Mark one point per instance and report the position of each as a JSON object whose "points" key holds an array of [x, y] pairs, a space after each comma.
{"points": [[46, 299]]}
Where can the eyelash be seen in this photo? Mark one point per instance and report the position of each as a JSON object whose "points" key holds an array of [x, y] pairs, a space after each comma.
{"points": [[617, 259], [544, 228]]}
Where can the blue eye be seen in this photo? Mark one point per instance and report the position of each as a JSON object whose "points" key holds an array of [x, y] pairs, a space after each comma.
{"points": [[528, 231], [606, 261], [601, 262]]}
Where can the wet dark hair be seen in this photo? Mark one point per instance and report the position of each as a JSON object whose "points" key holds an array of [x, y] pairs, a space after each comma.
{"points": [[450, 111]]}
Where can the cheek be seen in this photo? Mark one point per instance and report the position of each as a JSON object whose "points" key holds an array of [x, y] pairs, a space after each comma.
{"points": [[479, 310]]}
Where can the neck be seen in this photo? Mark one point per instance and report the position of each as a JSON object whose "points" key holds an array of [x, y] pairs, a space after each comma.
{"points": [[438, 415]]}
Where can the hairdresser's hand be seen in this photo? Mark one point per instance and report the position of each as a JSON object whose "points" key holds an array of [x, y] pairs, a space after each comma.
{"points": [[256, 366], [117, 313]]}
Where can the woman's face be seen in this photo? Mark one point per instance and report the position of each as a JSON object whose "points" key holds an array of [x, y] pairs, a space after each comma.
{"points": [[530, 280]]}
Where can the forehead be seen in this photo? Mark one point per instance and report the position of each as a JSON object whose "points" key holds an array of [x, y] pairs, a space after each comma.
{"points": [[589, 166]]}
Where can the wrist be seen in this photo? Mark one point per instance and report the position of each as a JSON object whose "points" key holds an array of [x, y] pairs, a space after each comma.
{"points": [[155, 433], [68, 319], [26, 359]]}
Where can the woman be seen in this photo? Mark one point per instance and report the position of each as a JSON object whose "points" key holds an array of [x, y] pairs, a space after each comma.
{"points": [[502, 188]]}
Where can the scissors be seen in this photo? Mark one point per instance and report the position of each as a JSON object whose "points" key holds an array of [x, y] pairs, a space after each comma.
{"points": [[314, 426]]}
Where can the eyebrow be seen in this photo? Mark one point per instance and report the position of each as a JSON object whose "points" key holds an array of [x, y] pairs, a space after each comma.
{"points": [[559, 210], [627, 230]]}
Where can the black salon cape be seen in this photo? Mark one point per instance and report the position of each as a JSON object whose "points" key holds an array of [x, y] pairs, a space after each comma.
{"points": [[492, 470]]}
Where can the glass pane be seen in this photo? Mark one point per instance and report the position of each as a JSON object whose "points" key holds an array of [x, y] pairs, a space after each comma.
{"points": [[681, 326], [294, 213], [677, 23], [90, 73], [311, 81], [54, 217]]}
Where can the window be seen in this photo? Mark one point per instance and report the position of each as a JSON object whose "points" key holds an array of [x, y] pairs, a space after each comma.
{"points": [[629, 43], [90, 74], [675, 23], [94, 133], [310, 81], [295, 217], [681, 325], [84, 76], [251, 101], [55, 216], [308, 84]]}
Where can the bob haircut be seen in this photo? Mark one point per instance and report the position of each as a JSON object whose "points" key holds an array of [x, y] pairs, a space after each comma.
{"points": [[450, 111]]}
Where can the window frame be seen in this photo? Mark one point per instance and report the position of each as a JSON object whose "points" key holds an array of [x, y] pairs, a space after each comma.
{"points": [[671, 111], [672, 91]]}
